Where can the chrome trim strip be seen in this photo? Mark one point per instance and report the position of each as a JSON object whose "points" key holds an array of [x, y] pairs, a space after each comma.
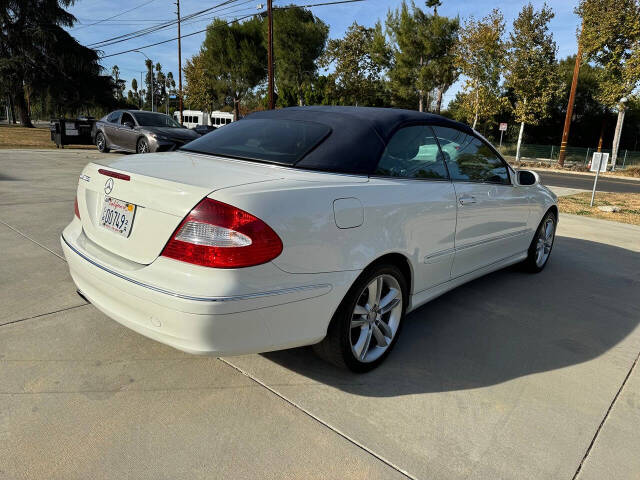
{"points": [[234, 298]]}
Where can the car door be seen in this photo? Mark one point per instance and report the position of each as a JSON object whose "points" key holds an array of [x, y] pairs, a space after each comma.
{"points": [[110, 128], [492, 213], [127, 136], [416, 202]]}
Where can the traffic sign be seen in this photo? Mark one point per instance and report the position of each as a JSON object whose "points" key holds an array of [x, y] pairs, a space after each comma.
{"points": [[503, 127]]}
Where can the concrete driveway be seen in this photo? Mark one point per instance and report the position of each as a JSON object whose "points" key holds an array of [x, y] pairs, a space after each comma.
{"points": [[511, 376]]}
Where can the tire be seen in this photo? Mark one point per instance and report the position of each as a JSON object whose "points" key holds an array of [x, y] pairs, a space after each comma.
{"points": [[346, 342], [543, 239], [142, 146], [101, 143]]}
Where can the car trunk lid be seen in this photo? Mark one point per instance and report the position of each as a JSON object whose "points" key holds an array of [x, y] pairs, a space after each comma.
{"points": [[163, 187]]}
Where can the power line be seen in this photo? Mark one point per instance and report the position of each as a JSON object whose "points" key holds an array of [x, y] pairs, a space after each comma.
{"points": [[155, 28], [114, 16], [230, 22], [175, 38]]}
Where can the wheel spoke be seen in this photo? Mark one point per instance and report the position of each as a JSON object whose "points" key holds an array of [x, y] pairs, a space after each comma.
{"points": [[375, 290], [390, 301], [360, 310], [380, 338], [358, 322], [365, 346], [548, 230], [385, 328]]}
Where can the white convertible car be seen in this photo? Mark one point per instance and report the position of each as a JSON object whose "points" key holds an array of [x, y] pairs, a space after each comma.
{"points": [[304, 226]]}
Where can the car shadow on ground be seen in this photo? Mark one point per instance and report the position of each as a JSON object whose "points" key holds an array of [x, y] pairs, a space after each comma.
{"points": [[502, 326]]}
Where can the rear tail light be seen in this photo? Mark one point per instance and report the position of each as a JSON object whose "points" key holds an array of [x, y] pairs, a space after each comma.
{"points": [[75, 208], [218, 235]]}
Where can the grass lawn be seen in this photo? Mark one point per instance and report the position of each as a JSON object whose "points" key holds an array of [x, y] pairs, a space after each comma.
{"points": [[12, 136], [578, 204]]}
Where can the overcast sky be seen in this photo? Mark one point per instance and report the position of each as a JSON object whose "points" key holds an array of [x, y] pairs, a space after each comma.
{"points": [[338, 17]]}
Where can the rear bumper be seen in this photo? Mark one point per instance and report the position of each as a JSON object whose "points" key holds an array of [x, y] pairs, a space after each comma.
{"points": [[274, 318]]}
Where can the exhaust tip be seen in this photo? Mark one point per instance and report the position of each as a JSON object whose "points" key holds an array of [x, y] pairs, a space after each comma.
{"points": [[81, 295]]}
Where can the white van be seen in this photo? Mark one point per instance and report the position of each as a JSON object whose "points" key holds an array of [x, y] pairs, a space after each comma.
{"points": [[192, 118]]}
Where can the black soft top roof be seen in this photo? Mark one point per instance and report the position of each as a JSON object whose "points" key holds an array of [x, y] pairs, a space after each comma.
{"points": [[358, 136]]}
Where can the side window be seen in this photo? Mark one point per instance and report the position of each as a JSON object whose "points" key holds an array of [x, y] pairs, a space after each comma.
{"points": [[126, 117], [469, 159], [412, 152], [113, 117]]}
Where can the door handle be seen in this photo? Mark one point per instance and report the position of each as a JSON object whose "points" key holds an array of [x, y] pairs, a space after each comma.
{"points": [[467, 199]]}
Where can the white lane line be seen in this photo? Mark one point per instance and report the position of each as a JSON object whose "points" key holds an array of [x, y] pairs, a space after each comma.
{"points": [[319, 420]]}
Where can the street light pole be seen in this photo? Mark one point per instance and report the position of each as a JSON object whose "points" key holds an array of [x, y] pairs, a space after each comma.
{"points": [[150, 77]]}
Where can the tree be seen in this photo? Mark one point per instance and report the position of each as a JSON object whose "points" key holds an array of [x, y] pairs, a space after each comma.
{"points": [[423, 47], [199, 92], [442, 68], [160, 87], [118, 82], [611, 39], [299, 40], [480, 56], [134, 97], [531, 74], [358, 61], [235, 59], [36, 52], [170, 86], [150, 82]]}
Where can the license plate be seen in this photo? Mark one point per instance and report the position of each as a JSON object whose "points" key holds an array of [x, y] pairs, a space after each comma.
{"points": [[117, 216]]}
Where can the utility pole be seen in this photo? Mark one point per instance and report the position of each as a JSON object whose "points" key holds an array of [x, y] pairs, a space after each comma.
{"points": [[572, 100], [179, 64], [602, 128], [270, 54]]}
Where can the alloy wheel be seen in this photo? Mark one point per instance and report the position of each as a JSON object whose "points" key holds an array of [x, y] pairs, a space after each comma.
{"points": [[545, 241], [375, 318]]}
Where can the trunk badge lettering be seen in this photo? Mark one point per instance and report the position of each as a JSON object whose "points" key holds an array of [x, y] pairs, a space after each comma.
{"points": [[86, 178]]}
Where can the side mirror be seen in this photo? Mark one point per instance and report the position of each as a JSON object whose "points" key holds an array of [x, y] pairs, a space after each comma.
{"points": [[527, 177], [128, 124]]}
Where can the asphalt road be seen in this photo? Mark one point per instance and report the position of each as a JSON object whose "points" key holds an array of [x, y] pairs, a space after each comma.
{"points": [[512, 376], [585, 182]]}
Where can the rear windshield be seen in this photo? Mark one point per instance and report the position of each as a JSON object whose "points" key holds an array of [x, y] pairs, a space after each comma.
{"points": [[265, 140]]}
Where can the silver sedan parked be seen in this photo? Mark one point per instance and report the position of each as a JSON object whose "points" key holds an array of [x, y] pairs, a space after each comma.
{"points": [[140, 132]]}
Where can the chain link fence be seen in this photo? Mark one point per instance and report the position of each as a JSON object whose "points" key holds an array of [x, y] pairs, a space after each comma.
{"points": [[575, 155]]}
